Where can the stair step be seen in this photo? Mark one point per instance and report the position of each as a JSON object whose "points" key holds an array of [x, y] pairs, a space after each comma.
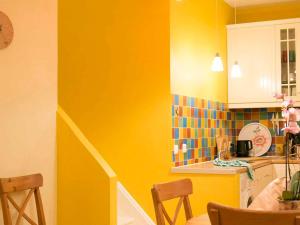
{"points": [[123, 220]]}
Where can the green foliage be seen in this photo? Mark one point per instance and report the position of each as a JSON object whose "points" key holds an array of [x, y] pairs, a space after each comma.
{"points": [[294, 189], [295, 185], [287, 195]]}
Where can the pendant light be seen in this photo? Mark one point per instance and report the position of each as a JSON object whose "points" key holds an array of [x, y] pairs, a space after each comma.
{"points": [[236, 69], [217, 64]]}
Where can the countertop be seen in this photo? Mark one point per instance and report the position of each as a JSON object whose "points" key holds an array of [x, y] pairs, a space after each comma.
{"points": [[209, 168]]}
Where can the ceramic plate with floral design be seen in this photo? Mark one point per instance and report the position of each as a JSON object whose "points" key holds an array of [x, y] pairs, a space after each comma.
{"points": [[259, 135]]}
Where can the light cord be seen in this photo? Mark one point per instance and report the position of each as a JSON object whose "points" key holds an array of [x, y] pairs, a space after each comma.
{"points": [[234, 11], [217, 27]]}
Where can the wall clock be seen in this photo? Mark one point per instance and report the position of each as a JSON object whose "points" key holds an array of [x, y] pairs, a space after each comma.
{"points": [[6, 31]]}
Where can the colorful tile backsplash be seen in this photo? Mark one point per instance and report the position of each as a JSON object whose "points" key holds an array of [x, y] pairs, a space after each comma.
{"points": [[267, 117], [196, 123]]}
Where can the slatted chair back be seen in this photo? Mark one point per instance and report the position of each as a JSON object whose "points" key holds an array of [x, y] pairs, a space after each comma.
{"points": [[30, 183], [224, 215], [178, 189]]}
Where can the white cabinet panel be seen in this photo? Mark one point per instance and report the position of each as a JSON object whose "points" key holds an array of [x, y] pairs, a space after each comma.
{"points": [[263, 176], [279, 170], [268, 62], [246, 187], [254, 49], [250, 189]]}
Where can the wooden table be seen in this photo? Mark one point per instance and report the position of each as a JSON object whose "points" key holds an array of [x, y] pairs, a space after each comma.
{"points": [[201, 220], [204, 220]]}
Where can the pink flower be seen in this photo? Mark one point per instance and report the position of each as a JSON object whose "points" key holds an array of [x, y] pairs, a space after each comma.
{"points": [[287, 103], [293, 130], [279, 96], [285, 113], [290, 114], [284, 104], [294, 114], [291, 102]]}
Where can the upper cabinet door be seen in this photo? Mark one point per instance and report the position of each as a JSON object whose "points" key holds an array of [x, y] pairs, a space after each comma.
{"points": [[287, 58], [253, 47]]}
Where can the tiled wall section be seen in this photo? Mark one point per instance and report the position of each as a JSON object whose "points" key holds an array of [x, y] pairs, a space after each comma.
{"points": [[263, 116], [197, 122]]}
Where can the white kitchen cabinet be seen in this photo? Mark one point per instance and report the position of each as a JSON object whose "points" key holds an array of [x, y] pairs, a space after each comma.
{"points": [[268, 62], [287, 50], [279, 170], [262, 177], [253, 48], [249, 189], [246, 188]]}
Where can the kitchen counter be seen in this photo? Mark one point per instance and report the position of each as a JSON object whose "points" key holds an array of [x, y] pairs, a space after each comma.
{"points": [[209, 168]]}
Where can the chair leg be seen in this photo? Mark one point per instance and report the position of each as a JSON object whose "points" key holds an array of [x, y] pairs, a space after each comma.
{"points": [[5, 209], [39, 207]]}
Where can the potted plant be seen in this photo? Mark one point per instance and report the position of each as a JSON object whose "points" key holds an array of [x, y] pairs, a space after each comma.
{"points": [[290, 197]]}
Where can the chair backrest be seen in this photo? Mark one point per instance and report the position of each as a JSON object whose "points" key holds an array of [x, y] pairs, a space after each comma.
{"points": [[29, 183], [178, 189], [223, 215]]}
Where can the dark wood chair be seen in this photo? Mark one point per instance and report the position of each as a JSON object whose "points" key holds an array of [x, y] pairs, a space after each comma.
{"points": [[30, 183], [224, 215], [178, 189]]}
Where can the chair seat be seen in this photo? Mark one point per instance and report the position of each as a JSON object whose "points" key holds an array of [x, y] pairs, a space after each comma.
{"points": [[199, 220]]}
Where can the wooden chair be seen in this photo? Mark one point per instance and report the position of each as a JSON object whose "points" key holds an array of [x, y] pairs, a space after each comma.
{"points": [[223, 215], [17, 184], [178, 189]]}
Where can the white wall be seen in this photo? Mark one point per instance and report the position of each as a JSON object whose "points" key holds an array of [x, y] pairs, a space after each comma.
{"points": [[28, 87]]}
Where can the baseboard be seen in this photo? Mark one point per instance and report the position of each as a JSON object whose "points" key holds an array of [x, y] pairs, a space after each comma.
{"points": [[134, 203]]}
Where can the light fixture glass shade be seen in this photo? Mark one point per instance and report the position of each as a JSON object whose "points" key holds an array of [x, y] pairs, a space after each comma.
{"points": [[236, 70], [217, 64]]}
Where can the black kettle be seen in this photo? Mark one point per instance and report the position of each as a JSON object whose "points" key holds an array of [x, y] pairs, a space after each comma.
{"points": [[243, 148]]}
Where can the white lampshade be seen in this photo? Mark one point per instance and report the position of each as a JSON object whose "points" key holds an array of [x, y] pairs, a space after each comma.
{"points": [[236, 70], [217, 64]]}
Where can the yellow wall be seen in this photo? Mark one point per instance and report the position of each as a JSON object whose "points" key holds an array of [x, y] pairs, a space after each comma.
{"points": [[269, 12], [114, 82], [86, 184], [194, 44], [28, 97]]}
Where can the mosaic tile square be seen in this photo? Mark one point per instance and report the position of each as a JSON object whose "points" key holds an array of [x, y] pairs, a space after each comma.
{"points": [[240, 116], [190, 122], [184, 122], [264, 122], [263, 115], [184, 100], [176, 100], [255, 116], [247, 116]]}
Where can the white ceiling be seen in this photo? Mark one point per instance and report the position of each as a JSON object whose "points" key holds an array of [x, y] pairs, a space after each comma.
{"points": [[240, 3]]}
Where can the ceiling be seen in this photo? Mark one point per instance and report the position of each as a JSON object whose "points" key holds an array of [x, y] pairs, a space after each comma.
{"points": [[240, 3]]}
